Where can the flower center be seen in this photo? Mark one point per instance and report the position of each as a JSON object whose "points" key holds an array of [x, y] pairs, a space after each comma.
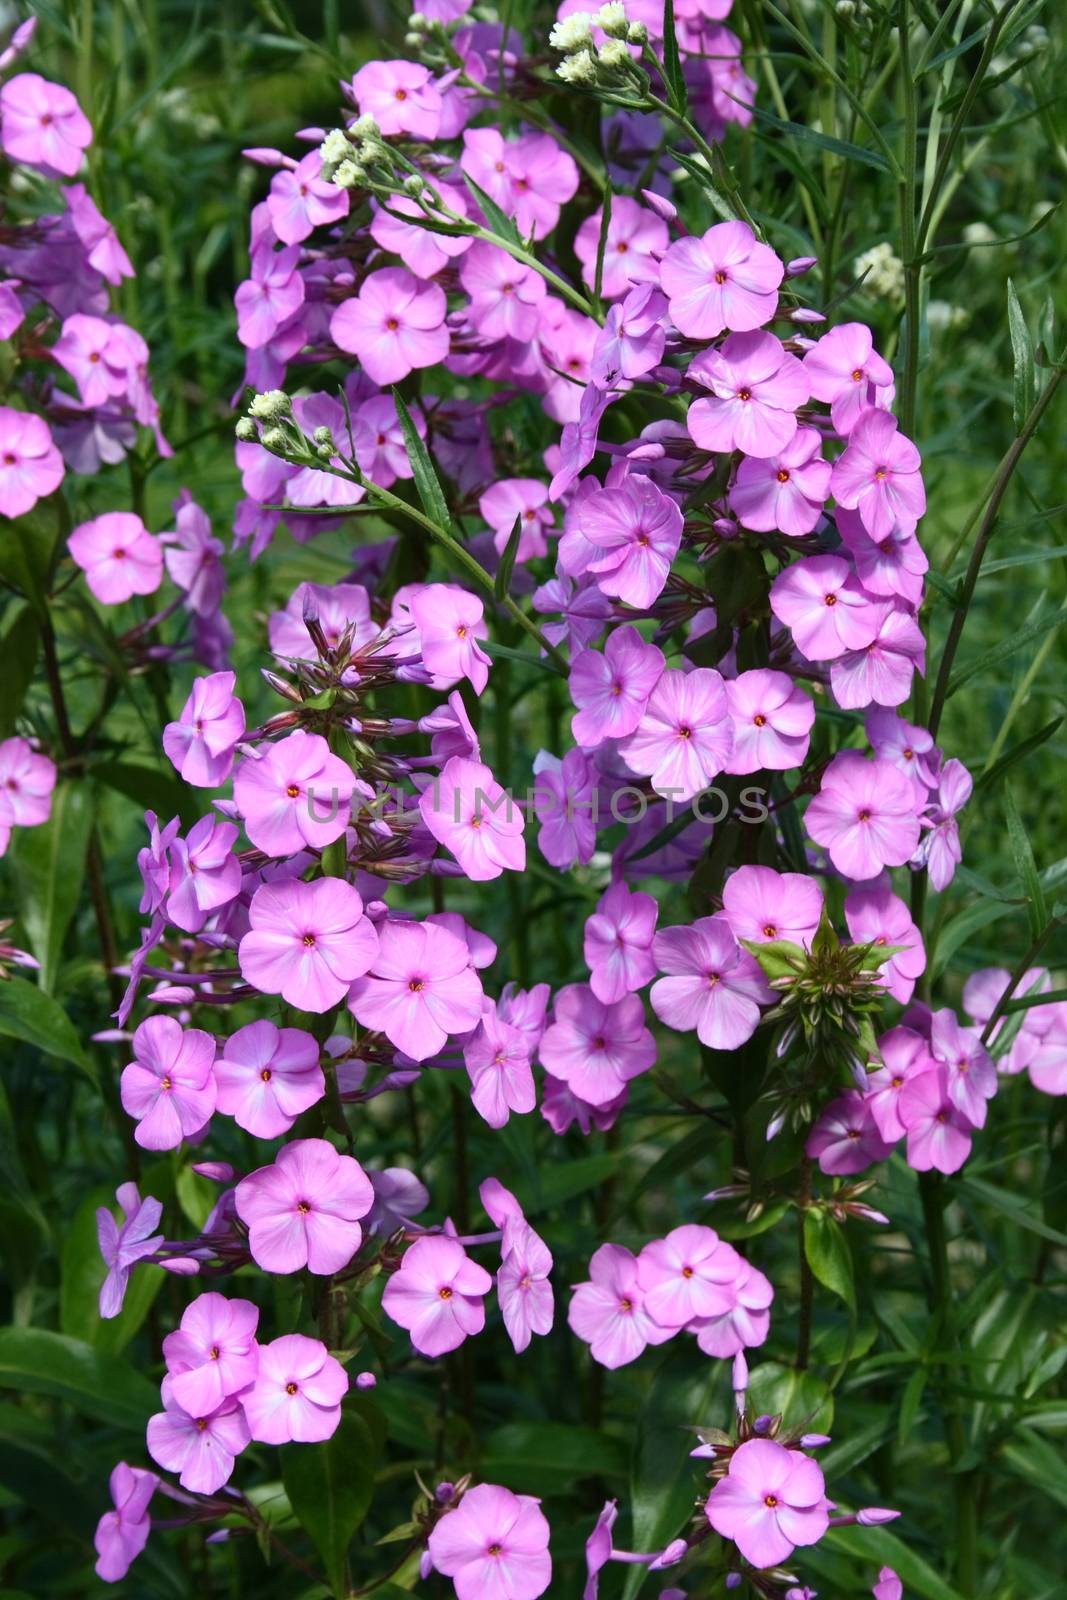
{"points": [[493, 1550], [401, 94], [392, 324], [444, 1293], [625, 1304], [304, 1208], [881, 472], [292, 791], [201, 1423], [687, 1272], [291, 1388], [309, 940], [770, 931], [416, 985], [720, 277], [265, 1075], [770, 1500], [685, 732], [830, 599], [865, 816], [165, 1083], [744, 394], [713, 979], [857, 374], [782, 475], [214, 1352]]}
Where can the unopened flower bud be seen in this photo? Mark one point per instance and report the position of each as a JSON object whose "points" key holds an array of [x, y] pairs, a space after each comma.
{"points": [[247, 431], [273, 439], [613, 54], [334, 148], [366, 1380], [637, 33], [349, 175], [413, 41], [418, 22], [872, 1516], [812, 1441], [572, 33], [365, 127], [414, 183], [675, 1552], [323, 436], [799, 265], [271, 406], [577, 69], [806, 314], [612, 18]]}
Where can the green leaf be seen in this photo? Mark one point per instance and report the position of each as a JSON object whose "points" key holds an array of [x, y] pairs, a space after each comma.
{"points": [[1025, 866], [23, 1226], [824, 141], [1017, 752], [499, 221], [779, 958], [426, 480], [502, 581], [19, 644], [828, 1255], [151, 790], [83, 1273], [1007, 648], [1025, 383], [602, 242], [49, 863], [547, 1457], [801, 1399], [27, 1013], [1038, 1463], [37, 1361], [28, 549], [674, 77], [330, 1488]]}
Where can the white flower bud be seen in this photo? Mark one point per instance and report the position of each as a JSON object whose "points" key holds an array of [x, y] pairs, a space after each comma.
{"points": [[613, 54], [365, 127], [637, 33], [577, 69], [414, 183], [271, 406], [349, 175], [247, 431], [612, 18], [323, 436], [274, 439], [418, 23], [572, 33], [413, 41], [335, 148]]}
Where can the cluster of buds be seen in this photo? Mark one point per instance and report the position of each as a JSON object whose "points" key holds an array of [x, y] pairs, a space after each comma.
{"points": [[585, 63]]}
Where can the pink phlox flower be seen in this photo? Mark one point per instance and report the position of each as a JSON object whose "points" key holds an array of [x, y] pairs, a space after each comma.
{"points": [[43, 126], [27, 783], [394, 325], [522, 500], [598, 1549], [401, 96], [711, 984], [542, 179], [889, 1586], [636, 239], [450, 623], [267, 1076], [480, 948], [579, 440], [618, 943], [982, 994], [378, 437], [636, 530], [202, 1446], [494, 1543], [193, 557], [297, 1393], [424, 253], [313, 486], [101, 242], [890, 567], [307, 942], [847, 373], [201, 744], [18, 43], [342, 609], [687, 1275], [1045, 1053], [204, 873], [293, 793], [505, 296], [122, 1534], [213, 1353], [608, 1311], [939, 1133], [118, 555], [879, 917], [939, 849], [563, 803], [633, 337], [583, 607], [881, 672], [169, 1087], [611, 688], [772, 720], [122, 1246], [453, 733], [525, 1009], [819, 600], [30, 465], [420, 988], [596, 1048], [498, 1062], [153, 861], [398, 1196], [304, 1210], [437, 1295], [562, 1109], [908, 747], [565, 342], [300, 200], [756, 389], [96, 356], [864, 814], [726, 279], [746, 1324], [685, 736], [523, 1289], [771, 1500], [468, 812], [784, 491], [972, 1077], [845, 1138], [879, 476], [763, 905], [905, 1055]]}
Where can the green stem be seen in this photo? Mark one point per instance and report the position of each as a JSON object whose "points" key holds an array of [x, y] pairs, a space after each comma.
{"points": [[912, 265]]}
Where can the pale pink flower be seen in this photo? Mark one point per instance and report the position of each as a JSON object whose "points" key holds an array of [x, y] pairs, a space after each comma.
{"points": [[521, 500], [297, 1393], [636, 239], [304, 1210], [212, 1353], [746, 1324], [712, 985], [293, 793], [879, 476], [467, 811], [204, 873], [846, 1138], [505, 296], [611, 688], [498, 1061], [307, 942], [784, 491], [635, 530], [30, 465], [772, 720], [608, 1311], [267, 1076], [757, 386], [422, 252], [905, 1055], [394, 325], [972, 1077], [596, 1048], [273, 294], [437, 1295], [201, 744], [494, 1544], [939, 1133], [27, 781], [879, 917], [169, 1086], [825, 609], [122, 1534], [687, 1275], [42, 125], [450, 623], [103, 250], [685, 735], [881, 672], [864, 814], [847, 373], [202, 1447], [889, 1586], [341, 610], [761, 904], [118, 555], [726, 279], [401, 96], [97, 356], [771, 1500], [300, 200], [618, 943], [420, 988]]}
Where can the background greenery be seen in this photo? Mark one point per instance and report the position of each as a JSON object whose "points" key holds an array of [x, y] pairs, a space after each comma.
{"points": [[924, 1406]]}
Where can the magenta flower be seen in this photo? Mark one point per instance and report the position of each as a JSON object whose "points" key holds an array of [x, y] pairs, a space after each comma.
{"points": [[608, 1311], [422, 252], [599, 1549], [726, 279], [889, 1586], [494, 1543], [636, 531], [450, 622], [940, 849], [394, 325], [204, 873], [401, 96], [97, 356], [757, 387], [881, 671], [30, 465], [596, 1048], [846, 1137], [27, 781], [893, 566], [846, 373], [784, 491], [273, 294], [122, 1247], [564, 804], [307, 942], [939, 1133], [521, 500], [772, 719], [201, 1447], [420, 988], [771, 1500], [194, 558], [212, 1353], [712, 985], [618, 943], [42, 125], [1047, 1064], [687, 1275], [906, 746], [267, 1076], [300, 200], [293, 793], [118, 555], [864, 814], [169, 1086], [762, 904], [202, 742], [611, 688], [632, 339], [635, 241], [297, 1393], [102, 247], [523, 1289], [498, 1061], [304, 1210], [905, 1056], [505, 296], [685, 735], [468, 812], [437, 1295], [879, 917], [820, 602], [879, 476], [972, 1077], [746, 1324], [122, 1534], [530, 177]]}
